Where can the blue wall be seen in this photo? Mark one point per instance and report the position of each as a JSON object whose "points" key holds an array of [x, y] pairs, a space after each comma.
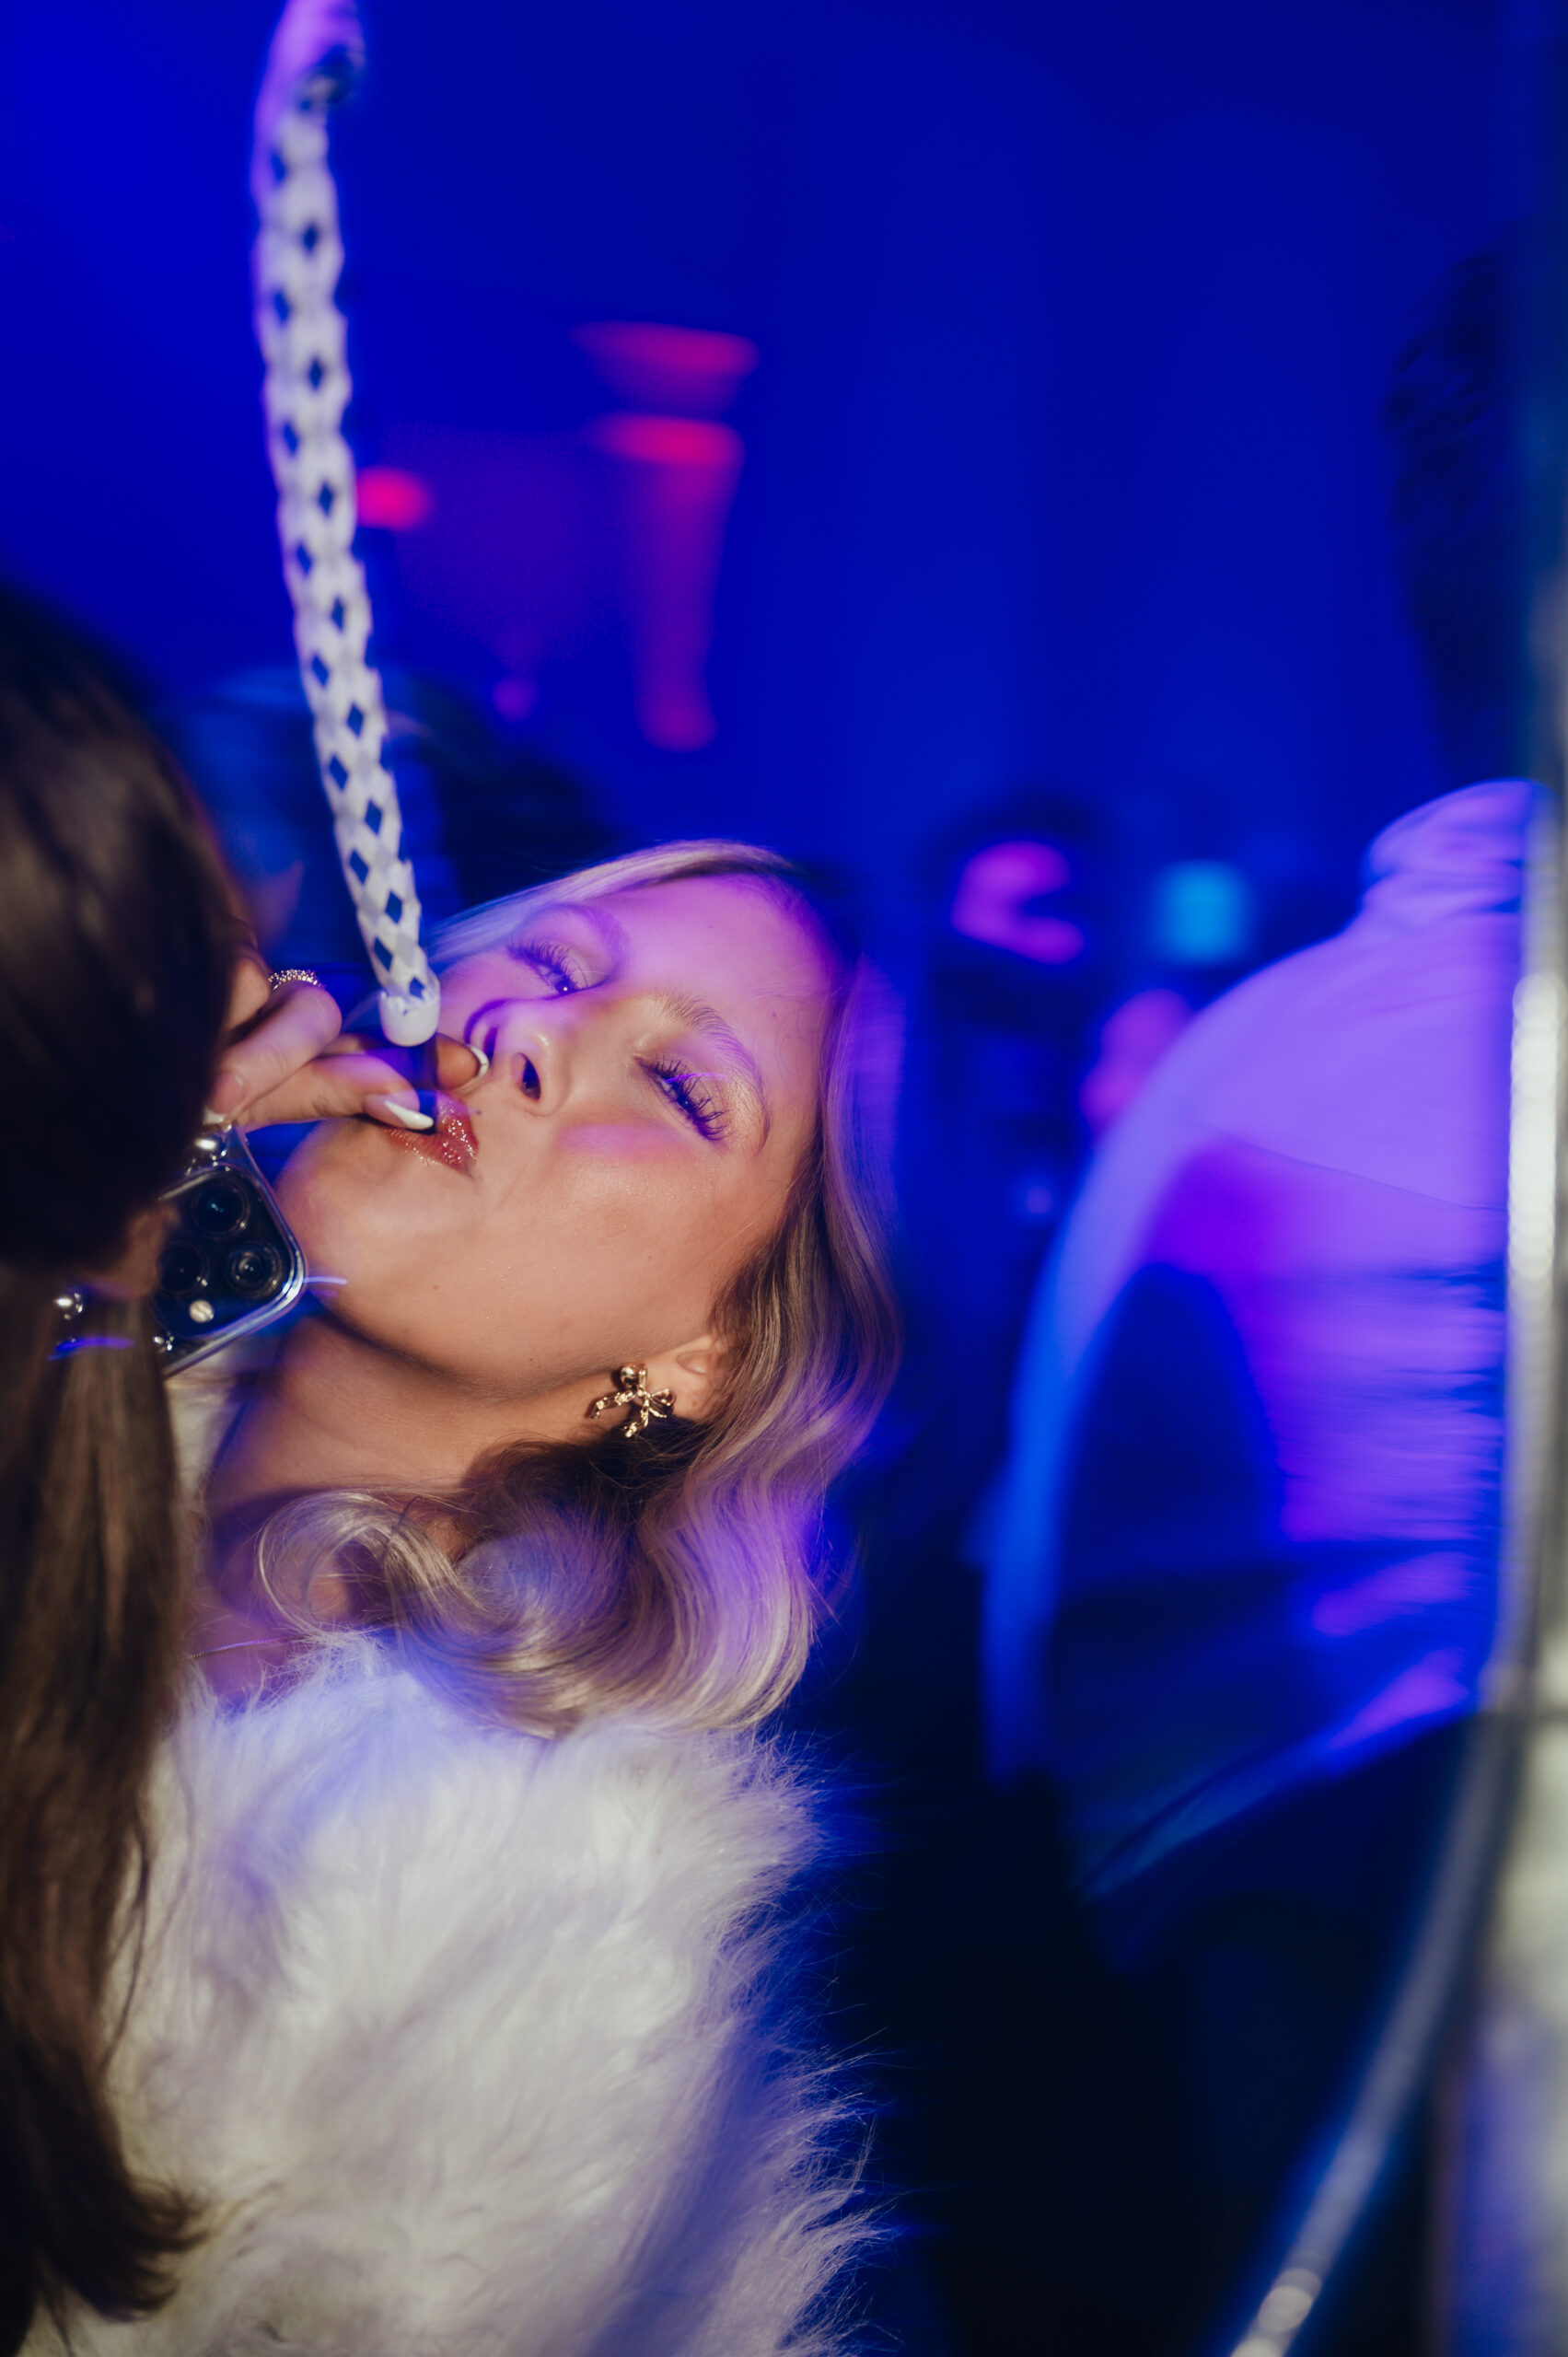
{"points": [[1062, 458]]}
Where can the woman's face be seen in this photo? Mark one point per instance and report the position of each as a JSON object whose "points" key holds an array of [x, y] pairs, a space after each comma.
{"points": [[653, 1081]]}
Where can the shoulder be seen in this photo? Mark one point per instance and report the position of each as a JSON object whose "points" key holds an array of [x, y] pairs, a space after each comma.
{"points": [[445, 2022], [204, 1400], [359, 1832], [361, 1771]]}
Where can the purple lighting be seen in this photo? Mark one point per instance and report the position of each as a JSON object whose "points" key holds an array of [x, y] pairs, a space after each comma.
{"points": [[541, 545], [391, 501], [995, 896], [1428, 1690], [689, 372], [678, 476]]}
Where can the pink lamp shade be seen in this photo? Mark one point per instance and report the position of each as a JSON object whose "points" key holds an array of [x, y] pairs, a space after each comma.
{"points": [[678, 476], [687, 372]]}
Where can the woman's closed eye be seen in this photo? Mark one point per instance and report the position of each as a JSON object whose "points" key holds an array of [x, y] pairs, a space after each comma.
{"points": [[560, 969], [693, 1095]]}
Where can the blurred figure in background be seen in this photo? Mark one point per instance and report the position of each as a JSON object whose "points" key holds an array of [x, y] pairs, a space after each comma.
{"points": [[940, 1965], [1244, 1580], [991, 1138], [1134, 1038], [483, 816]]}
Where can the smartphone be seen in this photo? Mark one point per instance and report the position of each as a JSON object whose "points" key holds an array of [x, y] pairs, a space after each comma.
{"points": [[231, 1264]]}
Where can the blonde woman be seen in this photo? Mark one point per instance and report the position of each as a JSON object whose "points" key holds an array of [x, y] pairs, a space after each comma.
{"points": [[458, 2014]]}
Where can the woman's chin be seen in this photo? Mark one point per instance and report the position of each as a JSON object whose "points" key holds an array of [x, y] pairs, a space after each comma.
{"points": [[352, 1196]]}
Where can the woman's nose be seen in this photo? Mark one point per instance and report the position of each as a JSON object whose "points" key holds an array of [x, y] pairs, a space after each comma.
{"points": [[527, 1042]]}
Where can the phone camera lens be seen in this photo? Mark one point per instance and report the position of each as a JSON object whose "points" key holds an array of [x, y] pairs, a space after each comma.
{"points": [[220, 1208], [181, 1269], [254, 1269]]}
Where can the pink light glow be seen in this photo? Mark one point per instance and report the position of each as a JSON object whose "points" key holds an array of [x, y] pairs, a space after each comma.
{"points": [[695, 372], [544, 543], [679, 478], [391, 501], [669, 441], [1132, 1040], [995, 889]]}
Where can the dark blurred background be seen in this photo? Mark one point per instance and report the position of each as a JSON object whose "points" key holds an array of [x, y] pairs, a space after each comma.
{"points": [[1062, 454], [941, 438]]}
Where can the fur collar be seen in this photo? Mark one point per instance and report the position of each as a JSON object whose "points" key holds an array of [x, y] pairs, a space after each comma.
{"points": [[469, 2040]]}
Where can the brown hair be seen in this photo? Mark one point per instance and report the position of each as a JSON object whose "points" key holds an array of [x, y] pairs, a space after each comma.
{"points": [[679, 1574], [115, 946]]}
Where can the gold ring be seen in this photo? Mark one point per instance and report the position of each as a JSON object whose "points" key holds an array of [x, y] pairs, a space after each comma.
{"points": [[293, 974]]}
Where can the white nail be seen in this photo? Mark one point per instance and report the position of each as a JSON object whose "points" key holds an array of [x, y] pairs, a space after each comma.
{"points": [[409, 1118], [484, 1062]]}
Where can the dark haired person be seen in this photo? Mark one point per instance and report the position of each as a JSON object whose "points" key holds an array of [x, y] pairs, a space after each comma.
{"points": [[129, 1003]]}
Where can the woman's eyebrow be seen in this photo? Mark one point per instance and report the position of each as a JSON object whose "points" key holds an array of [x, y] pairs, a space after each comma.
{"points": [[611, 934], [695, 1014]]}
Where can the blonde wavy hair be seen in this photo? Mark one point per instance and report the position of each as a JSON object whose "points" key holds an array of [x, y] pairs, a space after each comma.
{"points": [[682, 1576]]}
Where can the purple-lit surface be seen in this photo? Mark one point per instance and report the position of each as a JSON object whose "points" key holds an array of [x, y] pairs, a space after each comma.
{"points": [[995, 901], [1325, 1153]]}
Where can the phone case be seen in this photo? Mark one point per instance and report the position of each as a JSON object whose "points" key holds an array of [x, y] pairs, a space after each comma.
{"points": [[231, 1265]]}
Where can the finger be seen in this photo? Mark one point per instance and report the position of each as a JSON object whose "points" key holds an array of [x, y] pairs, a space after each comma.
{"points": [[249, 992], [299, 1022], [457, 1064], [356, 1075], [441, 1062], [336, 1086]]}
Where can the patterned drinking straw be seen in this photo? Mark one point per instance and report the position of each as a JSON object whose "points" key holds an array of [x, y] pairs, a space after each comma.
{"points": [[298, 257]]}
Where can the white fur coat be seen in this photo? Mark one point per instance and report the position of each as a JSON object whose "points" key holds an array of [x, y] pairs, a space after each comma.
{"points": [[463, 2038]]}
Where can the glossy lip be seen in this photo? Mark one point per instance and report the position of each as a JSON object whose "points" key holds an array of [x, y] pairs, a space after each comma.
{"points": [[451, 1143]]}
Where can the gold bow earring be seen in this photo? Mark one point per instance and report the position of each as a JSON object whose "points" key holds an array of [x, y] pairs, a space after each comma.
{"points": [[631, 1391]]}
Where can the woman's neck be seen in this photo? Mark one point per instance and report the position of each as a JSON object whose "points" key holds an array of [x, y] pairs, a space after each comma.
{"points": [[339, 1413], [336, 1413]]}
